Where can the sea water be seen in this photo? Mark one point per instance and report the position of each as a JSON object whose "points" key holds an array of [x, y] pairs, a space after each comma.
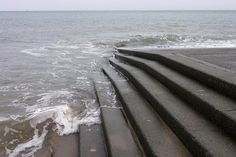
{"points": [[47, 60]]}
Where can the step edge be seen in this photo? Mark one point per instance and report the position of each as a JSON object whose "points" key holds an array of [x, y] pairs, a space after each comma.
{"points": [[205, 106]]}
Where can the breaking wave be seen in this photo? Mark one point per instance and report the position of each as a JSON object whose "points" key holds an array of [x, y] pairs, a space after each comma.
{"points": [[32, 129], [175, 41], [54, 111]]}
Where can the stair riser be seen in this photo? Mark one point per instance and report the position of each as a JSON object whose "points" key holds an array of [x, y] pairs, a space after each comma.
{"points": [[189, 141], [218, 84], [197, 103]]}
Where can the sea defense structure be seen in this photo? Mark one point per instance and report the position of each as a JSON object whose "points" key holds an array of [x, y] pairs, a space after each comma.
{"points": [[170, 106]]}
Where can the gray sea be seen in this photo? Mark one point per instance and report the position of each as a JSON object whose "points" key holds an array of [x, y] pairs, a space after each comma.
{"points": [[47, 60]]}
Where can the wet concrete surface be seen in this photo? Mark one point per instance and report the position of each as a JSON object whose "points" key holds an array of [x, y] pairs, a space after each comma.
{"points": [[223, 57]]}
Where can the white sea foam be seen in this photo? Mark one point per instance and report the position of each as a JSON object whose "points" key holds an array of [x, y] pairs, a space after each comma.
{"points": [[50, 98], [16, 88], [15, 117], [175, 41], [81, 57], [42, 51], [63, 45], [33, 52], [54, 75], [4, 88], [34, 144], [7, 130], [66, 119], [90, 48], [82, 78]]}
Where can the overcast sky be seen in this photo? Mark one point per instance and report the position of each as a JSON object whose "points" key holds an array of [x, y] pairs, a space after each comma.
{"points": [[6, 5]]}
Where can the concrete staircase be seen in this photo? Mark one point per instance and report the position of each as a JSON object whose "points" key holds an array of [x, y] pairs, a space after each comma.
{"points": [[170, 106]]}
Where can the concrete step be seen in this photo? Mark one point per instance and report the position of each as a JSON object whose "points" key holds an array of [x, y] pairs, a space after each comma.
{"points": [[119, 139], [215, 106], [154, 135], [199, 135], [222, 81], [92, 141]]}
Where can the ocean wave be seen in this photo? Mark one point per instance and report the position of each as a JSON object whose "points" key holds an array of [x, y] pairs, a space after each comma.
{"points": [[89, 48], [60, 45], [175, 41], [54, 111], [34, 144], [26, 135], [60, 97], [42, 51], [140, 40]]}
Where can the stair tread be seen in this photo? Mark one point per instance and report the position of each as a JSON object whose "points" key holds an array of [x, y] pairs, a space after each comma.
{"points": [[153, 133], [212, 76], [119, 139], [92, 141], [201, 130], [105, 92], [174, 55], [217, 101]]}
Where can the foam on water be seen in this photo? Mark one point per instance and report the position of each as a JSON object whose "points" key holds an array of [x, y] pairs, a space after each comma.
{"points": [[174, 41], [59, 46], [59, 108], [42, 51], [63, 44], [66, 120], [34, 52], [34, 144]]}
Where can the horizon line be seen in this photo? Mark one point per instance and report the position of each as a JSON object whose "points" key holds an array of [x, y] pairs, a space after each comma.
{"points": [[98, 10]]}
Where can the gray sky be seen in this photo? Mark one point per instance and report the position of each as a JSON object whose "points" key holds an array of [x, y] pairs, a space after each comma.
{"points": [[6, 5]]}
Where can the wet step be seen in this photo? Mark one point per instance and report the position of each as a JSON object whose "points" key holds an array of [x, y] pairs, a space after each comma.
{"points": [[92, 141], [155, 137], [118, 135], [198, 134], [222, 81], [217, 107]]}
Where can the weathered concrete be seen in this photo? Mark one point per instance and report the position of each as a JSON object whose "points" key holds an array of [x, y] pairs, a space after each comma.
{"points": [[119, 140], [105, 92], [200, 136], [58, 146], [154, 135], [222, 57], [220, 80], [212, 104], [92, 141]]}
